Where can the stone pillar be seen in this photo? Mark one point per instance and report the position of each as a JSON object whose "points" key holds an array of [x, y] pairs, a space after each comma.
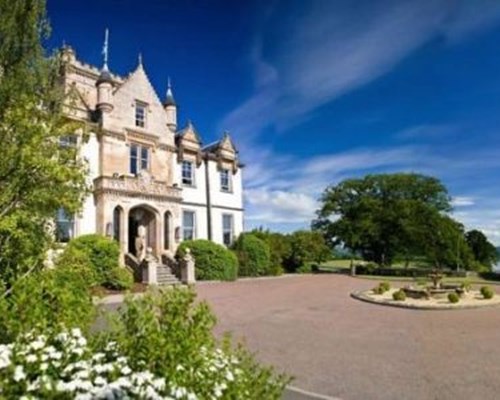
{"points": [[149, 268], [187, 268]]}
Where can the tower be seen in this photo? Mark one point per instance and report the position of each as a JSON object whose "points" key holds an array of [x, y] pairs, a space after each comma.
{"points": [[170, 108], [104, 83]]}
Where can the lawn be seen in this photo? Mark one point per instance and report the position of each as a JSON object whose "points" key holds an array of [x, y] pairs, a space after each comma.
{"points": [[343, 266]]}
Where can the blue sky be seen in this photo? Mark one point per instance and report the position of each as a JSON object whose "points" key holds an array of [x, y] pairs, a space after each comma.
{"points": [[314, 92]]}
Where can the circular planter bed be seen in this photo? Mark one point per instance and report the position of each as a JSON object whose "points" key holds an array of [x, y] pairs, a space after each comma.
{"points": [[471, 299]]}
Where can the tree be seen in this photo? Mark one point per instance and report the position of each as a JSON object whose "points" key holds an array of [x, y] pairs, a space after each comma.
{"points": [[379, 215], [306, 246], [484, 252], [38, 176]]}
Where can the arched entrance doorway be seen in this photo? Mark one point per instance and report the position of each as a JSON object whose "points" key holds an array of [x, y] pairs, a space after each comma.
{"points": [[141, 216]]}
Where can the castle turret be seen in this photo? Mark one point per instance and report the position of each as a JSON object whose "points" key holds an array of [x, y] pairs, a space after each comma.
{"points": [[104, 83], [170, 108]]}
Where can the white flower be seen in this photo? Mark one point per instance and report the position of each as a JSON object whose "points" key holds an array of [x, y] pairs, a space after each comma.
{"points": [[100, 381], [76, 332], [126, 370], [4, 361], [19, 374], [31, 358], [229, 376], [37, 344], [44, 366]]}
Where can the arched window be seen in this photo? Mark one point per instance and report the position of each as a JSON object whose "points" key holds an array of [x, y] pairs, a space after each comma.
{"points": [[117, 213]]}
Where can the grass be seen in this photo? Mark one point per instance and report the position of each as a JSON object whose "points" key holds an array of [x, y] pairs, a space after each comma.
{"points": [[344, 266]]}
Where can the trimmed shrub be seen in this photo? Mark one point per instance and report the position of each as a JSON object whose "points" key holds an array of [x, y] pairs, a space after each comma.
{"points": [[279, 246], [119, 278], [378, 290], [487, 292], [453, 297], [102, 252], [212, 261], [385, 286], [399, 295], [466, 285], [253, 255], [77, 260]]}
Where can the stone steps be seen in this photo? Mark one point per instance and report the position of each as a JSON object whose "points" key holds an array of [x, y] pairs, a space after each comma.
{"points": [[164, 276]]}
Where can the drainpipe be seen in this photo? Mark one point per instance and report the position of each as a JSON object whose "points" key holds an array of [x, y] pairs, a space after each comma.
{"points": [[209, 200]]}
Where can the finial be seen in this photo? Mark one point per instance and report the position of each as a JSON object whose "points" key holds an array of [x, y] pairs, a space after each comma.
{"points": [[105, 50], [169, 84], [139, 59]]}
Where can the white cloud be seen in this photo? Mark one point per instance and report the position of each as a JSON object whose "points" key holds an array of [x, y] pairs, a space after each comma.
{"points": [[462, 201]]}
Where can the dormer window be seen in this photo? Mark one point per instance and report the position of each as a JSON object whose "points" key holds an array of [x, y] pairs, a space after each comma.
{"points": [[139, 158], [140, 114], [187, 173]]}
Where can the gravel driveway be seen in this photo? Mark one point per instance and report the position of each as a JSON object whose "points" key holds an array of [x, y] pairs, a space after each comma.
{"points": [[341, 347]]}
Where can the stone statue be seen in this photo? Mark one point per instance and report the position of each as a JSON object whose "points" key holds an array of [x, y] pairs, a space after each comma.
{"points": [[140, 243]]}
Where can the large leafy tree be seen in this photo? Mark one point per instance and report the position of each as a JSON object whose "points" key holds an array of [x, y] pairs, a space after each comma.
{"points": [[381, 216], [484, 252], [38, 176]]}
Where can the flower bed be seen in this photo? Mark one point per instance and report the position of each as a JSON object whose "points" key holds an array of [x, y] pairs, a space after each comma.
{"points": [[63, 364]]}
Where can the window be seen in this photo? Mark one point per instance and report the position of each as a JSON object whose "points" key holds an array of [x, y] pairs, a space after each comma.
{"points": [[227, 229], [68, 141], [188, 225], [139, 158], [187, 173], [140, 114], [65, 226], [225, 180]]}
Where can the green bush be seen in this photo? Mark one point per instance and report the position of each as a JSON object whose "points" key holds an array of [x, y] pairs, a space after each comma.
{"points": [[44, 300], [102, 252], [119, 278], [378, 290], [453, 297], [466, 285], [77, 260], [399, 295], [385, 286], [487, 292], [170, 333], [279, 246], [253, 255], [307, 268], [212, 261]]}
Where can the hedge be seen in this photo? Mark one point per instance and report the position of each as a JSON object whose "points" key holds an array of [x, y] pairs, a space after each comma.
{"points": [[406, 272], [253, 255], [212, 261]]}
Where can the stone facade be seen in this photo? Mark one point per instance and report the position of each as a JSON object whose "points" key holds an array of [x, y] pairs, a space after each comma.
{"points": [[144, 171]]}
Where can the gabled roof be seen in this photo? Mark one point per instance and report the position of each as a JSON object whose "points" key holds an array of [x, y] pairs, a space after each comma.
{"points": [[139, 84], [189, 132], [225, 143]]}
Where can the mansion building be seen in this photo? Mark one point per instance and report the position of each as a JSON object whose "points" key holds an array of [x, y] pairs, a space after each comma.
{"points": [[147, 174]]}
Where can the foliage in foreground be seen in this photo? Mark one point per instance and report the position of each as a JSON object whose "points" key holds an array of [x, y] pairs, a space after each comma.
{"points": [[38, 176], [45, 300], [159, 346], [171, 335], [213, 261]]}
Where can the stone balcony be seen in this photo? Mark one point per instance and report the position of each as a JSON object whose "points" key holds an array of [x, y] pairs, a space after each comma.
{"points": [[142, 186]]}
